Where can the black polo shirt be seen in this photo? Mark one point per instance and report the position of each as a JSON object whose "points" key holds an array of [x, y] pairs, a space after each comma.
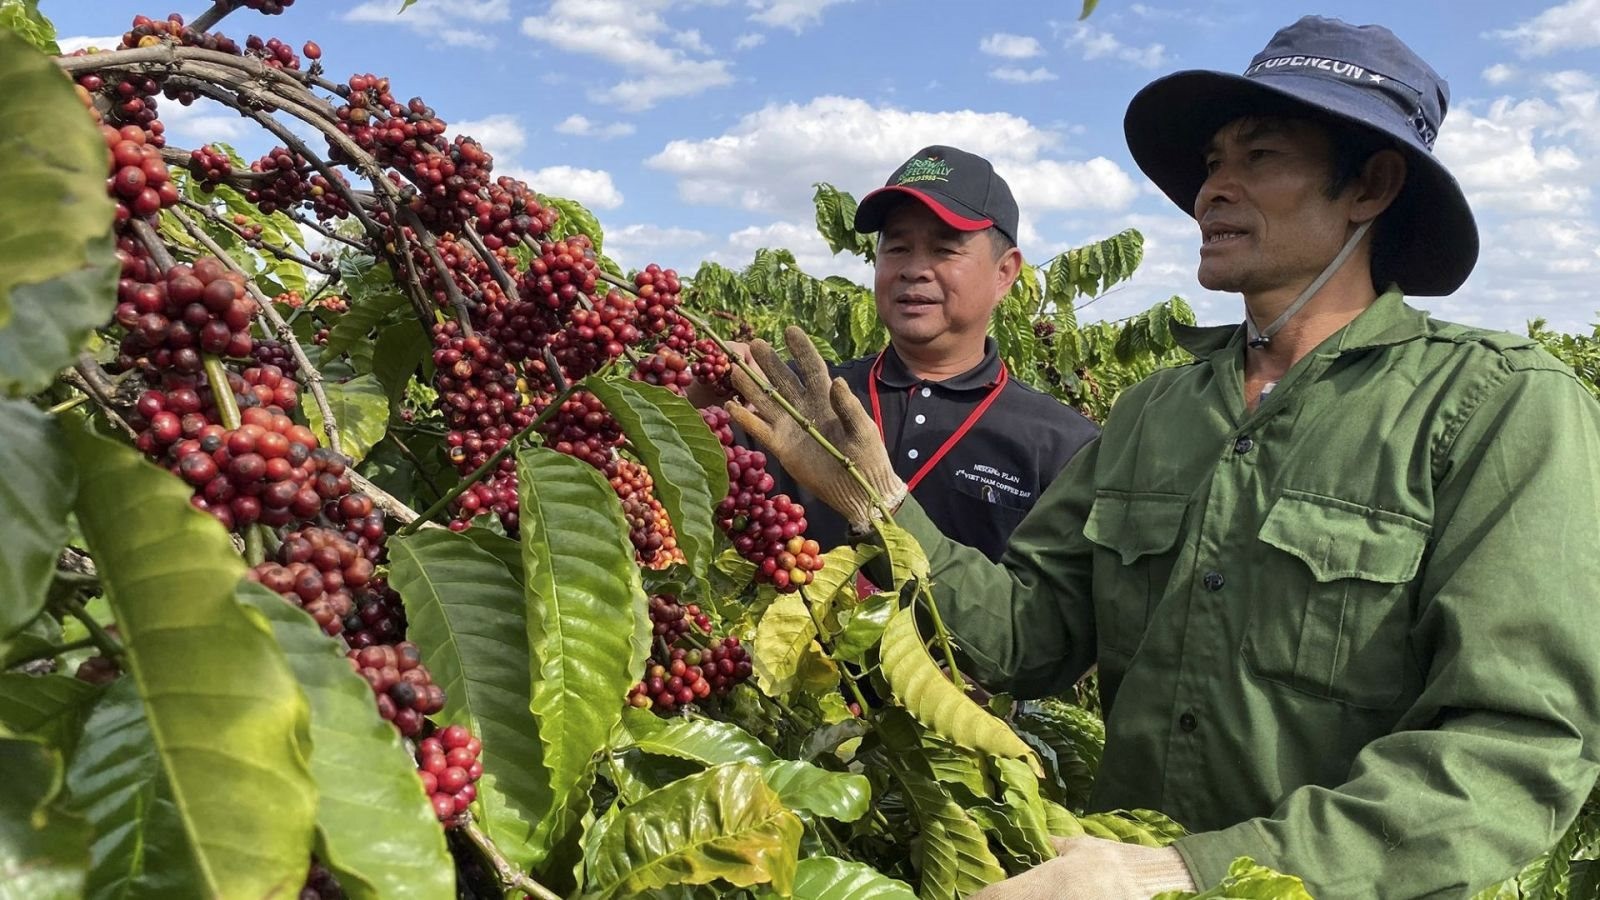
{"points": [[987, 481]]}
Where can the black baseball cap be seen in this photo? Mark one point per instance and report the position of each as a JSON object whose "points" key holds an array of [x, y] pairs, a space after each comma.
{"points": [[961, 188], [1361, 76]]}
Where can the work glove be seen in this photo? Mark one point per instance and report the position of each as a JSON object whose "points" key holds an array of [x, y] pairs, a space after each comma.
{"points": [[1090, 868], [835, 412]]}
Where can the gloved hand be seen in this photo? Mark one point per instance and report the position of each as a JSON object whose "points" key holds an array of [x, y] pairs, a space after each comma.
{"points": [[833, 411], [1090, 868]]}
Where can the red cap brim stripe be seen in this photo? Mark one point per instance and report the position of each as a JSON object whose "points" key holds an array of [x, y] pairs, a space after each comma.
{"points": [[953, 219]]}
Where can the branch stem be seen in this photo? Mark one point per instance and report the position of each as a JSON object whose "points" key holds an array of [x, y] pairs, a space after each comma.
{"points": [[221, 391], [109, 647], [508, 874], [488, 466]]}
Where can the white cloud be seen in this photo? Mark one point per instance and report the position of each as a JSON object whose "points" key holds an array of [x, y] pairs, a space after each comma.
{"points": [[582, 127], [636, 246], [456, 23], [1499, 73], [1010, 46], [810, 251], [795, 15], [1097, 43], [1574, 25], [1505, 159], [591, 187], [1022, 76], [600, 27], [691, 41], [749, 41], [500, 134], [853, 145], [202, 122], [82, 42]]}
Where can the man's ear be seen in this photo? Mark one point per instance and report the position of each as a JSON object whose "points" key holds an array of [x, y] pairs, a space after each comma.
{"points": [[1009, 267], [1381, 180]]}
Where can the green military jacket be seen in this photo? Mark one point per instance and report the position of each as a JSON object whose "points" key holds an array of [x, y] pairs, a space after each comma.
{"points": [[1354, 634]]}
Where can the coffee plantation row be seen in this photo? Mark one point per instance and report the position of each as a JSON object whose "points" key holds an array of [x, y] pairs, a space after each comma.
{"points": [[394, 563]]}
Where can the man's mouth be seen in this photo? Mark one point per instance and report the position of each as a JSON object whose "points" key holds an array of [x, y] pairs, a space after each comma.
{"points": [[1216, 237], [916, 300]]}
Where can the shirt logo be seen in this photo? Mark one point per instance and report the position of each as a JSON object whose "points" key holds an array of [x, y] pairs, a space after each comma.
{"points": [[932, 169], [992, 483]]}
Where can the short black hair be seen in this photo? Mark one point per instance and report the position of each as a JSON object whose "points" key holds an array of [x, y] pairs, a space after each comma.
{"points": [[1000, 241]]}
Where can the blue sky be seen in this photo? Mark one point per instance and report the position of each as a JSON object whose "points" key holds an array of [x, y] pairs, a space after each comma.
{"points": [[695, 128]]}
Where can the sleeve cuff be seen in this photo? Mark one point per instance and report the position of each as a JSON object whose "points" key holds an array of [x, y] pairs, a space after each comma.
{"points": [[1209, 853]]}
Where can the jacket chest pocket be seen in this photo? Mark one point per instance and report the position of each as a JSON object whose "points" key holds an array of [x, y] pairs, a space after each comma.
{"points": [[1333, 614], [1136, 538]]}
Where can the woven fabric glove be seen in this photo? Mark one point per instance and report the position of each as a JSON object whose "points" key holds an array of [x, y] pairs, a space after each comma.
{"points": [[834, 411], [1089, 868]]}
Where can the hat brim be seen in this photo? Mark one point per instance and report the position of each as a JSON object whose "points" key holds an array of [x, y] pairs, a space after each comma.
{"points": [[875, 206], [1433, 242]]}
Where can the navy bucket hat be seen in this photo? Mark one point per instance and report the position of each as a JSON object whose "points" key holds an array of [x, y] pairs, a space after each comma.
{"points": [[1360, 75]]}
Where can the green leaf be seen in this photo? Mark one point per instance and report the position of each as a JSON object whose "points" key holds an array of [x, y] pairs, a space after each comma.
{"points": [[952, 855], [575, 219], [229, 721], [466, 613], [1144, 827], [1020, 819], [57, 216], [786, 635], [588, 618], [372, 295], [828, 878], [720, 825], [399, 352], [42, 847], [52, 707], [861, 627], [705, 741], [1088, 7], [360, 408], [363, 773], [941, 706], [139, 846], [1247, 881], [907, 560], [684, 457], [1069, 739], [37, 487], [52, 321], [807, 788], [24, 18]]}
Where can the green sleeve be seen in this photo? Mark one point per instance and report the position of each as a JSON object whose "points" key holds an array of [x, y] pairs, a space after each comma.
{"points": [[1026, 623], [1491, 764]]}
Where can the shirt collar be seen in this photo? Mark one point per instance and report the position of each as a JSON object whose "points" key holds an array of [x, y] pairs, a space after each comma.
{"points": [[1389, 320], [894, 373]]}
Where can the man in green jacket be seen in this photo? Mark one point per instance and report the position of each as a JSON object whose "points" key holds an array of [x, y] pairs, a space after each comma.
{"points": [[1339, 573]]}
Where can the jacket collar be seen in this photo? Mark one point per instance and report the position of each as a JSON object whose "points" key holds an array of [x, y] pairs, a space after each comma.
{"points": [[1389, 320], [895, 374]]}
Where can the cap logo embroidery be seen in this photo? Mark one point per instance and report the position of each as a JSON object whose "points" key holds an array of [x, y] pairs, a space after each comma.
{"points": [[925, 170], [1337, 66]]}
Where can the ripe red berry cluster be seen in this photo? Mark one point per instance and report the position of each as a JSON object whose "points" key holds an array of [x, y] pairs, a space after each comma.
{"points": [[271, 352], [380, 617], [667, 368], [596, 335], [294, 182], [189, 311], [147, 32], [712, 366], [449, 767], [403, 686], [691, 674], [319, 571], [583, 428], [138, 180], [657, 292], [269, 7], [654, 542], [767, 530], [671, 620], [273, 52], [210, 167]]}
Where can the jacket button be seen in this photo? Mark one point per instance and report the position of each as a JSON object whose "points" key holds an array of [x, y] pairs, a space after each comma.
{"points": [[1212, 580], [1243, 445], [1188, 722]]}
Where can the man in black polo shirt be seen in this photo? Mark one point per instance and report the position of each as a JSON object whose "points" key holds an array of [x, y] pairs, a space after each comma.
{"points": [[973, 443]]}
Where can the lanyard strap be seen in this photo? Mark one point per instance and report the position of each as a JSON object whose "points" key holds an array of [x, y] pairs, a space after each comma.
{"points": [[950, 442]]}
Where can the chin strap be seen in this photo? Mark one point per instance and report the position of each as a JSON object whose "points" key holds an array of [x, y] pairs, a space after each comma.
{"points": [[1261, 337]]}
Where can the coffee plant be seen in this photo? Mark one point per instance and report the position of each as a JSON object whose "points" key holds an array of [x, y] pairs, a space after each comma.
{"points": [[394, 563]]}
